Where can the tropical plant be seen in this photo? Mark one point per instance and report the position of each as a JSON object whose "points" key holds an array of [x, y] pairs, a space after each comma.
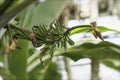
{"points": [[29, 24]]}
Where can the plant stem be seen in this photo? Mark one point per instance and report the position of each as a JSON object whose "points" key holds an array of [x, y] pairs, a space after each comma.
{"points": [[63, 19], [95, 69], [93, 18], [6, 62], [67, 67], [36, 62]]}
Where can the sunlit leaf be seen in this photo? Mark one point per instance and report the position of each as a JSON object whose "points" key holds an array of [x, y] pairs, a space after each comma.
{"points": [[85, 29], [104, 29], [78, 30]]}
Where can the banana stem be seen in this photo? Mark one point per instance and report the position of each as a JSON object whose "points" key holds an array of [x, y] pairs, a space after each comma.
{"points": [[95, 69]]}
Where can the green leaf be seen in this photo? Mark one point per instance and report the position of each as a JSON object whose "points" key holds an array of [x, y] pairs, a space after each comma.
{"points": [[18, 61], [26, 16], [115, 64], [104, 29], [5, 18], [99, 45], [100, 51], [103, 53], [73, 54], [19, 57], [113, 24], [47, 12], [85, 29]]}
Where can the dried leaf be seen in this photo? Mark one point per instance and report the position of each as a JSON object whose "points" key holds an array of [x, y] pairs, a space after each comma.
{"points": [[96, 33]]}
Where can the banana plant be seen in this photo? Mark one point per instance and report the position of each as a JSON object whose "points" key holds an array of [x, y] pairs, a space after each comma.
{"points": [[15, 13], [30, 23]]}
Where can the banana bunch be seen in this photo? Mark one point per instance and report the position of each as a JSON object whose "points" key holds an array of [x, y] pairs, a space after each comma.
{"points": [[56, 35]]}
